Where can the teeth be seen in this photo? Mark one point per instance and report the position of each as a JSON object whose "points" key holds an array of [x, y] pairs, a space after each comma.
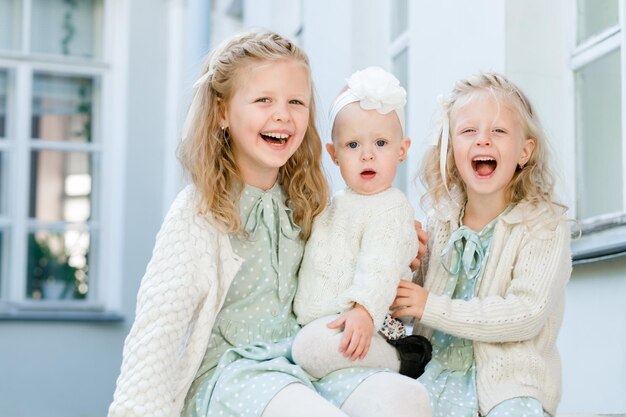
{"points": [[484, 158], [276, 135]]}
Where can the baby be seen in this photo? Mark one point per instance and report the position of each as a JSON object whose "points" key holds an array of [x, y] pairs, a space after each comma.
{"points": [[362, 244]]}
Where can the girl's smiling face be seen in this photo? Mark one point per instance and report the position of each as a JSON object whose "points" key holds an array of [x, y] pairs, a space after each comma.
{"points": [[267, 117], [488, 143]]}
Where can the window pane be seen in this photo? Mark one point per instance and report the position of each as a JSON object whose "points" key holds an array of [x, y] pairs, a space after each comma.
{"points": [[400, 68], [596, 15], [66, 27], [3, 102], [58, 265], [62, 108], [599, 133], [60, 187], [4, 256], [9, 24], [4, 180], [399, 17]]}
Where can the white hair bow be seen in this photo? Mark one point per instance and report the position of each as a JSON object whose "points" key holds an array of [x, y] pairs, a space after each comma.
{"points": [[374, 89]]}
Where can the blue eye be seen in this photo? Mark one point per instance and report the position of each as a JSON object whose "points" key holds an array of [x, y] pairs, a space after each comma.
{"points": [[301, 103], [263, 100], [381, 142], [352, 145]]}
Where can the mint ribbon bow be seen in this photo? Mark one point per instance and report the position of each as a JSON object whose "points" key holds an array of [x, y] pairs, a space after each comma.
{"points": [[264, 211], [464, 250]]}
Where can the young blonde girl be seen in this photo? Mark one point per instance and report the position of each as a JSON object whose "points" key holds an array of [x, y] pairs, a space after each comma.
{"points": [[214, 320], [492, 295]]}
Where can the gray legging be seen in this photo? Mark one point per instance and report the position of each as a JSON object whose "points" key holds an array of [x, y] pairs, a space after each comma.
{"points": [[382, 394]]}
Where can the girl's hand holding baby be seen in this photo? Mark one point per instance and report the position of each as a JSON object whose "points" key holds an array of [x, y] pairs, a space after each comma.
{"points": [[410, 300]]}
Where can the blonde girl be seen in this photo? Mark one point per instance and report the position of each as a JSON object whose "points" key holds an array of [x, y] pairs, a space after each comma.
{"points": [[214, 321], [491, 296]]}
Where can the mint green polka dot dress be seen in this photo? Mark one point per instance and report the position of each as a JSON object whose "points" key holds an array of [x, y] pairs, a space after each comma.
{"points": [[450, 376], [248, 359]]}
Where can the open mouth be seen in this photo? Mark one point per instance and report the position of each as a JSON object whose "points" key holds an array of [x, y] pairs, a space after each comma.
{"points": [[484, 166], [368, 173], [275, 138]]}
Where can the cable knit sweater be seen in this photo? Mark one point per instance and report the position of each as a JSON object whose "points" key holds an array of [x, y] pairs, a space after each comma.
{"points": [[181, 293], [359, 249], [515, 319]]}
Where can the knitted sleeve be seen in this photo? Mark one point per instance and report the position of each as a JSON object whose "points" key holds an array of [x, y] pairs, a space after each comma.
{"points": [[538, 277], [169, 293], [388, 246]]}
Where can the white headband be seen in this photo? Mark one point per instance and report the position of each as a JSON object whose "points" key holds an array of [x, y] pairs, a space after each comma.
{"points": [[374, 89]]}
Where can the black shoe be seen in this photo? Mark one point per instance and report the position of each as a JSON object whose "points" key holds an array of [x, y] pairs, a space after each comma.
{"points": [[415, 352]]}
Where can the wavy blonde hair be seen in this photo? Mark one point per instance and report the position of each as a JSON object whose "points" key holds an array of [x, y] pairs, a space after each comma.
{"points": [[207, 157], [533, 183]]}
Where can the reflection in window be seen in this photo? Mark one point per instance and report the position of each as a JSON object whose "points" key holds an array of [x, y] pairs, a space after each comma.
{"points": [[399, 17], [599, 133], [60, 186], [58, 265], [3, 102], [9, 28], [594, 16], [62, 108], [66, 27]]}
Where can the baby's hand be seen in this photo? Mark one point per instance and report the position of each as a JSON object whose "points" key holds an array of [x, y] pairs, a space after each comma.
{"points": [[357, 333]]}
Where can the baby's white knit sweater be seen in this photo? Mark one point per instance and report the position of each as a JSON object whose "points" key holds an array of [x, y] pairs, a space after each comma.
{"points": [[359, 249], [515, 319]]}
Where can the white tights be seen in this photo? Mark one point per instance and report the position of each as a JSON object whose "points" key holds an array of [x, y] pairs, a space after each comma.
{"points": [[382, 394], [326, 358]]}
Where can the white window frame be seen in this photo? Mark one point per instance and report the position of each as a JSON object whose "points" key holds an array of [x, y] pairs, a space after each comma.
{"points": [[604, 236], [108, 132]]}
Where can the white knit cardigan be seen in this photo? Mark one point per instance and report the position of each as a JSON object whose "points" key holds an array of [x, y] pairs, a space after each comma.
{"points": [[184, 287], [359, 250], [515, 318]]}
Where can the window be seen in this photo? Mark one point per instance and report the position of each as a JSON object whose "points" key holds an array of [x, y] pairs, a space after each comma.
{"points": [[596, 64], [399, 56], [598, 108], [51, 75]]}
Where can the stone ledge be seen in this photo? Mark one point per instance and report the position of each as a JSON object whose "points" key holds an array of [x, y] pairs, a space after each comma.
{"points": [[590, 415]]}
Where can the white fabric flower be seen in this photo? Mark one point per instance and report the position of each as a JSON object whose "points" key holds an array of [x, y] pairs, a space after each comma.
{"points": [[377, 90]]}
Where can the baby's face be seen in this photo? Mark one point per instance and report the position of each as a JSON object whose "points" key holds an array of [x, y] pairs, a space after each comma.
{"points": [[368, 147]]}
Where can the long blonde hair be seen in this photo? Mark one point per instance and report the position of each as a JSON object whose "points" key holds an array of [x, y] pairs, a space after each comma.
{"points": [[534, 182], [207, 157]]}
